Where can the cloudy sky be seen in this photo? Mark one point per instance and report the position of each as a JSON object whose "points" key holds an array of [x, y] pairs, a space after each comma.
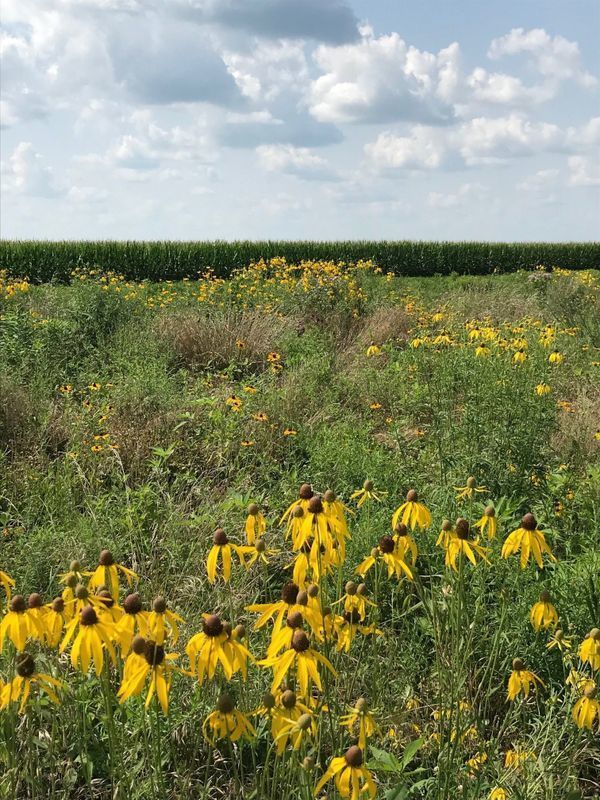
{"points": [[315, 119]]}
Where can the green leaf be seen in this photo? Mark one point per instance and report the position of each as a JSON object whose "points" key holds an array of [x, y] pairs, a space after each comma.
{"points": [[410, 752]]}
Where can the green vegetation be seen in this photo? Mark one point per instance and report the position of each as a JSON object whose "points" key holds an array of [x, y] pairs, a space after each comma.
{"points": [[46, 261], [139, 417]]}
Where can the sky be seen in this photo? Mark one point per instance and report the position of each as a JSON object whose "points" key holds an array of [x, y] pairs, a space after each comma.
{"points": [[300, 119]]}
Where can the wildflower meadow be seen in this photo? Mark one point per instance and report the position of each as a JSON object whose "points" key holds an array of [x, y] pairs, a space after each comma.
{"points": [[312, 530]]}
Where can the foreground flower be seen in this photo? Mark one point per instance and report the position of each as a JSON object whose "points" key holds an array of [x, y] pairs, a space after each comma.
{"points": [[386, 551], [7, 583], [352, 778], [226, 722], [590, 649], [255, 524], [214, 645], [154, 662], [556, 357], [259, 551], [19, 625], [303, 658], [521, 680], [469, 490], [285, 710], [355, 599], [446, 534], [93, 637], [498, 793], [488, 522], [461, 545], [27, 676], [529, 541], [107, 574], [134, 620], [542, 388], [304, 495], [543, 614], [292, 599], [368, 492], [405, 544], [347, 626], [163, 622], [360, 719], [222, 549], [559, 641], [412, 513], [55, 621], [586, 709]]}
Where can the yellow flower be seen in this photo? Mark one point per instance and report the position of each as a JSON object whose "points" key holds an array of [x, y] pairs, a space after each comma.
{"points": [[19, 625], [54, 621], [292, 599], [107, 574], [249, 389], [373, 350], [386, 551], [7, 583], [482, 351], [469, 490], [375, 406], [586, 709], [93, 637], [352, 778], [303, 658], [259, 551], [347, 626], [247, 443], [218, 644], [152, 660], [304, 496], [355, 599], [446, 534], [163, 623], [368, 492], [542, 389], [360, 718], [521, 680], [297, 729], [222, 548], [20, 686], [498, 793], [558, 640], [405, 544], [529, 541], [260, 417], [488, 522], [273, 357], [226, 722], [255, 524], [412, 513], [543, 614], [460, 545], [94, 387], [133, 621], [555, 357], [290, 432], [590, 649], [519, 357], [514, 758]]}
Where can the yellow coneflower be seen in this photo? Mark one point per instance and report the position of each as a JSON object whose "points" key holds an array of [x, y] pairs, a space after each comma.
{"points": [[93, 637], [405, 544], [488, 522], [346, 628], [7, 583], [217, 644], [386, 551], [134, 621], [292, 599], [542, 388], [352, 778], [255, 524], [304, 495], [284, 711], [37, 611], [163, 623], [298, 730], [587, 708], [446, 534], [519, 357], [373, 350], [55, 621], [412, 512], [303, 658], [107, 574], [368, 492], [156, 663], [590, 649], [529, 540], [555, 357], [19, 625], [355, 599], [259, 552], [290, 432], [260, 416], [461, 545], [516, 757], [361, 719], [543, 614], [482, 351], [521, 680], [222, 548], [469, 490], [227, 722], [559, 641], [498, 793], [27, 676], [333, 507]]}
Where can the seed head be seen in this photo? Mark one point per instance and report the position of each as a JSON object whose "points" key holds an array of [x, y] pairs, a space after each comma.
{"points": [[411, 497], [289, 592], [288, 699], [268, 700], [545, 596], [315, 505], [81, 593], [88, 616], [490, 511], [58, 605], [25, 665], [159, 605], [138, 645], [239, 632], [354, 756], [35, 600], [300, 641], [225, 704], [72, 580], [595, 634], [312, 590], [308, 763], [154, 653], [212, 625], [220, 537], [75, 566], [260, 546], [351, 588], [18, 604], [471, 482], [518, 664], [298, 512], [253, 510], [106, 558], [304, 722], [368, 485], [227, 628], [362, 705], [374, 552], [529, 522], [295, 620], [329, 496], [132, 603], [387, 544], [401, 529], [362, 590], [302, 598], [446, 525], [559, 634], [590, 692], [462, 528], [305, 492]]}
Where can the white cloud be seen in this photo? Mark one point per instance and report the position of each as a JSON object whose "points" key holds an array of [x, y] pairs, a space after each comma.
{"points": [[584, 171], [25, 173], [485, 140], [464, 194], [381, 79], [498, 88], [298, 161], [423, 149], [540, 181]]}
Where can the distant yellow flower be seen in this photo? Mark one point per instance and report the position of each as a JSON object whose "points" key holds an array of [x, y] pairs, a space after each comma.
{"points": [[93, 637], [515, 758], [387, 552], [555, 357], [107, 574], [543, 614], [163, 623], [373, 350], [519, 357], [259, 552], [488, 522], [368, 492], [7, 583], [469, 490], [498, 793], [27, 676], [405, 544], [95, 386], [542, 389], [290, 432], [249, 390], [346, 628], [558, 640], [590, 649], [255, 524], [521, 680], [247, 443], [222, 549], [303, 658], [260, 417], [375, 406], [461, 545], [226, 722], [412, 512], [352, 778], [529, 541], [586, 709], [482, 351], [19, 625], [361, 719]]}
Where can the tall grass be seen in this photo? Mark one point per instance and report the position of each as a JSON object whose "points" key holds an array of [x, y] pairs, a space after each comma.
{"points": [[169, 260]]}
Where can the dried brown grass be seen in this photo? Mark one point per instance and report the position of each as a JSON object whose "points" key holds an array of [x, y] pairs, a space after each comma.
{"points": [[574, 436], [17, 419]]}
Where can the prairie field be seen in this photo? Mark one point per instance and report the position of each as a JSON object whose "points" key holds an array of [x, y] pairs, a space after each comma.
{"points": [[311, 530]]}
